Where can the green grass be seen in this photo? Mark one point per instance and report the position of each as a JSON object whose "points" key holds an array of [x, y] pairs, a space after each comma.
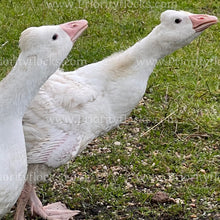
{"points": [[180, 156]]}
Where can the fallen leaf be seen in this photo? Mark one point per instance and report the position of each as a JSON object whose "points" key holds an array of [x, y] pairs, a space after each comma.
{"points": [[162, 197]]}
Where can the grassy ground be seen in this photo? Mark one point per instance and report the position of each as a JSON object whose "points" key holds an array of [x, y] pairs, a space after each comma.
{"points": [[120, 174]]}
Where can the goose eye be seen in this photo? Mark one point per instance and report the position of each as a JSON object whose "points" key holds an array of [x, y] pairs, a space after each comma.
{"points": [[178, 20], [55, 36]]}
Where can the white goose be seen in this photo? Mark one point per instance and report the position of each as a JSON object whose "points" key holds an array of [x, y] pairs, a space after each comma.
{"points": [[73, 108], [43, 49]]}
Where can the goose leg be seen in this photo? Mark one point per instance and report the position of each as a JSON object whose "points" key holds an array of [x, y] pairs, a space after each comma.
{"points": [[22, 202], [55, 211]]}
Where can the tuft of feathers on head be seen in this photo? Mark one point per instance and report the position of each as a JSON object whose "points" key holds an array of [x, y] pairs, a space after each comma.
{"points": [[170, 13], [26, 35]]}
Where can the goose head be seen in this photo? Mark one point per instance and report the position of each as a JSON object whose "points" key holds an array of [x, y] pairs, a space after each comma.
{"points": [[50, 45], [179, 28]]}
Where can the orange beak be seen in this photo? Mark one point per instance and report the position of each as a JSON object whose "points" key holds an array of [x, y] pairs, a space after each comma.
{"points": [[201, 22]]}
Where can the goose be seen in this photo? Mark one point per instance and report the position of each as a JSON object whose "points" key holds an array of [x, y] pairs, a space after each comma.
{"points": [[72, 108], [43, 49]]}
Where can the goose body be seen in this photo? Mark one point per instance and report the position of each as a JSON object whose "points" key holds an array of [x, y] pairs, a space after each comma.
{"points": [[13, 162], [40, 56], [73, 108]]}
